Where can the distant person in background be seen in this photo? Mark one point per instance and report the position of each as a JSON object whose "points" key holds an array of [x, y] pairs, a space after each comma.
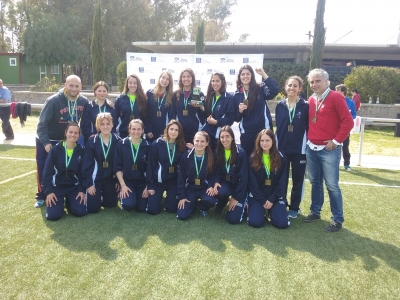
{"points": [[131, 104], [291, 115], [342, 89], [5, 101], [251, 110], [356, 98], [329, 124], [95, 107], [58, 111], [160, 108]]}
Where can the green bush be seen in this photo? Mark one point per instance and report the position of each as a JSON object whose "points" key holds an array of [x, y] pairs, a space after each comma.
{"points": [[121, 75], [280, 71], [46, 85], [382, 82]]}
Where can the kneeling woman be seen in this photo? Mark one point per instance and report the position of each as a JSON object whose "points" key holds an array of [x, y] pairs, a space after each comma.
{"points": [[130, 165], [231, 176], [194, 178], [162, 168], [62, 177], [267, 178], [97, 166]]}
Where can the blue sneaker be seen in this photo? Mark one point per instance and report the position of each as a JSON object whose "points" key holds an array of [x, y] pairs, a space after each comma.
{"points": [[38, 204], [293, 214], [203, 213]]}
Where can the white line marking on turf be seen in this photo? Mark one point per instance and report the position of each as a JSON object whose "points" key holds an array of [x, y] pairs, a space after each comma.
{"points": [[19, 176], [370, 184], [29, 159]]}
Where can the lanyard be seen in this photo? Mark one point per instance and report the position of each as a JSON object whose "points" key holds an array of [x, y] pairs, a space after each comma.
{"points": [[160, 102], [215, 99], [185, 100], [266, 169], [132, 103], [201, 165], [171, 157], [291, 113], [67, 161], [227, 164], [323, 97], [104, 110], [71, 113], [135, 155], [245, 94], [109, 146]]}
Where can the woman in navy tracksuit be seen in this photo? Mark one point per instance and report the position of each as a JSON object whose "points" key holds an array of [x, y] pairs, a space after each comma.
{"points": [[231, 176], [160, 109], [220, 108], [267, 177], [162, 168], [95, 107], [99, 180], [130, 165], [195, 178], [62, 177], [251, 110], [291, 118], [131, 104], [191, 116]]}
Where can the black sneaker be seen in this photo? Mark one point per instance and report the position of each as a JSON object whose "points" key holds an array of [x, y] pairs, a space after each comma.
{"points": [[311, 218], [333, 227], [218, 210]]}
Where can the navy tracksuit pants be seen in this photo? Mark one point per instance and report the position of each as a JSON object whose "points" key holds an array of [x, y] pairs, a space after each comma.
{"points": [[298, 163], [106, 194], [234, 216], [57, 211], [135, 199], [346, 151], [247, 141], [154, 201], [206, 202], [277, 213]]}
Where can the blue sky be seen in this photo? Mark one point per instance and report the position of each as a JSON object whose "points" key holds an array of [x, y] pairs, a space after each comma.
{"points": [[288, 21]]}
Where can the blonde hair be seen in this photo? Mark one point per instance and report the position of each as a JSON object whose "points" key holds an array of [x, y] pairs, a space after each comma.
{"points": [[100, 117]]}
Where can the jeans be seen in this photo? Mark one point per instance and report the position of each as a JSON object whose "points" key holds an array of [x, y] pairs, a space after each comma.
{"points": [[324, 165]]}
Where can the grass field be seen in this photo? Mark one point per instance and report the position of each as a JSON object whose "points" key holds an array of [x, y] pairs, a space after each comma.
{"points": [[125, 255]]}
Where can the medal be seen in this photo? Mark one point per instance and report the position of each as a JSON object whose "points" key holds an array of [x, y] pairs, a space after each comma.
{"points": [[132, 117], [171, 157], [267, 181], [171, 169], [246, 102], [134, 167], [198, 170], [105, 164], [105, 153], [290, 128], [314, 119], [197, 181], [185, 112], [134, 154], [159, 104], [158, 113], [228, 177]]}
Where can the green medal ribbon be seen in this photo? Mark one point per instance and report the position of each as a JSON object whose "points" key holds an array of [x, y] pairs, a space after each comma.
{"points": [[227, 164], [185, 100], [245, 94], [132, 103], [67, 160], [171, 157], [266, 167], [323, 96], [104, 110], [135, 155], [71, 113], [102, 146], [160, 102], [292, 113], [201, 164], [214, 102]]}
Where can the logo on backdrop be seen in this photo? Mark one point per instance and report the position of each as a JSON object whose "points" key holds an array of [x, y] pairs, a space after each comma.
{"points": [[209, 71], [180, 60], [226, 60], [152, 81], [153, 59], [135, 58], [232, 72], [176, 82], [245, 60], [197, 82], [198, 60], [168, 70], [229, 83], [141, 70]]}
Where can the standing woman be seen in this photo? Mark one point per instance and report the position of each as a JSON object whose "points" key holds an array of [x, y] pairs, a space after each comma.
{"points": [[231, 176], [194, 178], [62, 176], [291, 118], [162, 168], [95, 107], [267, 177], [131, 104], [130, 165], [97, 167], [219, 107], [192, 117], [160, 109], [356, 98], [250, 97]]}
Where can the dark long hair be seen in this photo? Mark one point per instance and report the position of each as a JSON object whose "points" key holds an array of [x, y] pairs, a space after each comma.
{"points": [[221, 149], [211, 92], [169, 90], [180, 141], [257, 155], [141, 97], [254, 87], [180, 90], [210, 157]]}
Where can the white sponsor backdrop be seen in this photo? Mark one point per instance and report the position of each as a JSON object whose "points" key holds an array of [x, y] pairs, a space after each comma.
{"points": [[148, 66]]}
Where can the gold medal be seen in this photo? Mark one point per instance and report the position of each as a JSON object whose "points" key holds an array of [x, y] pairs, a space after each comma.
{"points": [[267, 181], [159, 113], [197, 181], [134, 167], [228, 177], [246, 102], [105, 164], [314, 119], [132, 117], [185, 112], [171, 169], [290, 128]]}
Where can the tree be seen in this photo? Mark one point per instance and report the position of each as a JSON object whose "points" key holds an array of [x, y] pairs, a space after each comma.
{"points": [[97, 46], [199, 47], [319, 39], [121, 75], [382, 82]]}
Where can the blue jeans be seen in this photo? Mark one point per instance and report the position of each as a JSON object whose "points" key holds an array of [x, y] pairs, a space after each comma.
{"points": [[324, 165]]}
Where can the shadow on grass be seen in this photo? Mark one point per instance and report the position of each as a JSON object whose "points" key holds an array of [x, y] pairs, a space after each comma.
{"points": [[95, 233], [378, 179]]}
